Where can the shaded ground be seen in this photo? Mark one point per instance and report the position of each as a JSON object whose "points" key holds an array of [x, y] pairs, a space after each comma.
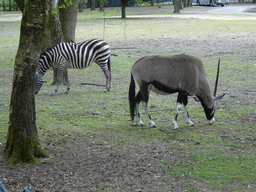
{"points": [[88, 163]]}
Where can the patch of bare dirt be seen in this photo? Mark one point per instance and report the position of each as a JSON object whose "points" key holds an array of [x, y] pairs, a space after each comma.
{"points": [[90, 166]]}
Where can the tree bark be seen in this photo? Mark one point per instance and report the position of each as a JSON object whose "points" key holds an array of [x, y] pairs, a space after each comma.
{"points": [[56, 33], [93, 5], [10, 5], [68, 19], [22, 141], [176, 4], [101, 6], [123, 10]]}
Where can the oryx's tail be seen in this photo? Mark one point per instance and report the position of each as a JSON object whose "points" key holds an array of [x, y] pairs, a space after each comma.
{"points": [[132, 97]]}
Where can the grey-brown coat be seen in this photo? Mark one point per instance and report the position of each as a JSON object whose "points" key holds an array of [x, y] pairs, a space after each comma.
{"points": [[170, 74]]}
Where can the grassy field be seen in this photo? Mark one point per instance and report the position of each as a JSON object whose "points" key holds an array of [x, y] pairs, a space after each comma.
{"points": [[220, 157]]}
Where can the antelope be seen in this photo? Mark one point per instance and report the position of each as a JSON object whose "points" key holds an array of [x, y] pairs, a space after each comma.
{"points": [[167, 75]]}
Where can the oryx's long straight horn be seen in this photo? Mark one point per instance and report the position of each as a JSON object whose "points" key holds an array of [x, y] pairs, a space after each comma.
{"points": [[217, 79]]}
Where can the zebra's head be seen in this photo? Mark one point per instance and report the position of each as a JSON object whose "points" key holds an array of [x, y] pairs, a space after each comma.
{"points": [[39, 82]]}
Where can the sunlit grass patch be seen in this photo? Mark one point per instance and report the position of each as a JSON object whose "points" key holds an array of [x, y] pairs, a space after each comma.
{"points": [[218, 169]]}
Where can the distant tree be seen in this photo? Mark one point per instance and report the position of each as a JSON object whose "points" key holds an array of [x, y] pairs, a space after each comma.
{"points": [[93, 5], [152, 2], [123, 6], [22, 140], [81, 5], [61, 24], [176, 4]]}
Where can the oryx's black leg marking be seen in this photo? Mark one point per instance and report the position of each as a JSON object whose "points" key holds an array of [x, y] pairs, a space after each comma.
{"points": [[182, 99], [138, 99], [185, 103]]}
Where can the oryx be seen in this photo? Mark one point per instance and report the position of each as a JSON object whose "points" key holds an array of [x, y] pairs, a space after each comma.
{"points": [[170, 74]]}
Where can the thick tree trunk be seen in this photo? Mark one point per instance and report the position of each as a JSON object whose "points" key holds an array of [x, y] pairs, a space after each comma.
{"points": [[123, 10], [22, 141], [3, 5], [101, 6], [68, 19], [20, 4], [176, 4], [93, 5], [152, 2], [55, 31], [10, 5]]}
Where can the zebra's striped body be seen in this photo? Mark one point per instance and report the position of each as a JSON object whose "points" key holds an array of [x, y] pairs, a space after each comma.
{"points": [[74, 55]]}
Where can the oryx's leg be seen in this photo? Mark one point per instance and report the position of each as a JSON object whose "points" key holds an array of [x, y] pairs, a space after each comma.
{"points": [[182, 99], [65, 73], [138, 99], [178, 106], [150, 121], [185, 103]]}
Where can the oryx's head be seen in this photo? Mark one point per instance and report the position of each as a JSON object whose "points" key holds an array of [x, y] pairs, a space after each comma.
{"points": [[209, 112]]}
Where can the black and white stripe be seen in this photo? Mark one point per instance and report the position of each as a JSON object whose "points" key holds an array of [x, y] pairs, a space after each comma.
{"points": [[74, 55]]}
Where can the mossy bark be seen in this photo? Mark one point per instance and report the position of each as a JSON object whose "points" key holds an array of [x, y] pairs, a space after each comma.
{"points": [[22, 142]]}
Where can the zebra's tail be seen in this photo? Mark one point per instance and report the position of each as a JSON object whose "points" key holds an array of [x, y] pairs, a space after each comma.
{"points": [[109, 67], [132, 97]]}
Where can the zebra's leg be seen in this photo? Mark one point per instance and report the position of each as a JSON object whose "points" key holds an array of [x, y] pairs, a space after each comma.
{"points": [[106, 69], [108, 80], [59, 77], [65, 73]]}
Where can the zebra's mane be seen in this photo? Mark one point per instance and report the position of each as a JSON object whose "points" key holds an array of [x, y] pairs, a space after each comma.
{"points": [[49, 49]]}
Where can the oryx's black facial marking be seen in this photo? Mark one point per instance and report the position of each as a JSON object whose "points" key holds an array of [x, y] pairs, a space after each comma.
{"points": [[209, 112]]}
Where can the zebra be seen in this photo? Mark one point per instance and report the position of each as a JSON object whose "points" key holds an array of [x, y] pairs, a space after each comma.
{"points": [[74, 55]]}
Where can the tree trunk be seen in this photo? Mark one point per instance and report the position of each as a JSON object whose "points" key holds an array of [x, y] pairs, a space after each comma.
{"points": [[93, 5], [3, 5], [152, 2], [55, 31], [68, 18], [101, 6], [176, 4], [22, 141], [10, 5], [123, 10], [20, 4]]}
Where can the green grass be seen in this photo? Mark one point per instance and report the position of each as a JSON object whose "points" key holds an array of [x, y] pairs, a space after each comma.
{"points": [[222, 155], [219, 169]]}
